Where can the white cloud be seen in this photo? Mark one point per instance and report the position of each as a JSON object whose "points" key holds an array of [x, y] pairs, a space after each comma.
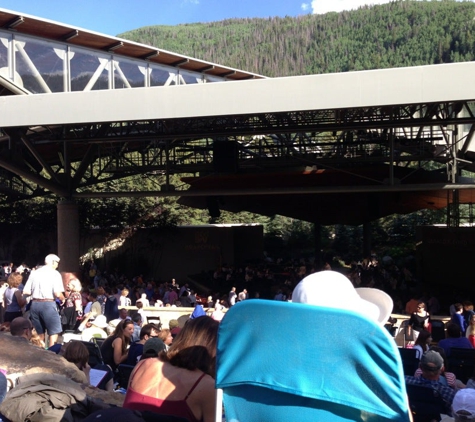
{"points": [[305, 7], [324, 6]]}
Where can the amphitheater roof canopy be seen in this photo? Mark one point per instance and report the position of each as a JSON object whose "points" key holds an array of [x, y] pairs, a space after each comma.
{"points": [[348, 147], [49, 30]]}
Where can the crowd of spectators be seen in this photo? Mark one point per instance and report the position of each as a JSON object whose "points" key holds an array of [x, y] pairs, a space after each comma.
{"points": [[99, 302]]}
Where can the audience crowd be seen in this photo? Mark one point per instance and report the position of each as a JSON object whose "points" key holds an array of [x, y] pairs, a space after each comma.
{"points": [[93, 307]]}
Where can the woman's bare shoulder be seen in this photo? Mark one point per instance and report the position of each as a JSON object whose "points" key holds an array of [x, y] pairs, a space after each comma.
{"points": [[208, 380], [205, 388], [148, 366], [117, 340]]}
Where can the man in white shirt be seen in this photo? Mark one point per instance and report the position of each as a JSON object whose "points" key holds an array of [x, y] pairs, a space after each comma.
{"points": [[45, 285], [232, 297], [243, 295]]}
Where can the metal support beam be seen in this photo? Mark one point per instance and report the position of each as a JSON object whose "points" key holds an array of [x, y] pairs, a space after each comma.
{"points": [[54, 188], [278, 191], [39, 158]]}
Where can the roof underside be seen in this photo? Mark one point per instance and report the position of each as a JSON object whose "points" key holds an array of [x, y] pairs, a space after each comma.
{"points": [[335, 148], [326, 196]]}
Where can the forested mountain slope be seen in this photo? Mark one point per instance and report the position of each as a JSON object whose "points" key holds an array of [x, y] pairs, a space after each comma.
{"points": [[400, 33]]}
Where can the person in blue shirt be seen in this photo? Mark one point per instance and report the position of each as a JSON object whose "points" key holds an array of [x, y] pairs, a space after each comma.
{"points": [[136, 349], [454, 339], [457, 318]]}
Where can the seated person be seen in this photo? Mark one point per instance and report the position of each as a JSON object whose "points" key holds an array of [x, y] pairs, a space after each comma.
{"points": [[139, 304], [432, 366], [454, 339], [447, 378], [136, 348], [78, 354], [463, 406], [166, 336], [137, 320], [123, 315], [93, 307], [152, 348], [114, 349], [174, 327], [95, 328], [21, 327], [180, 381], [422, 343]]}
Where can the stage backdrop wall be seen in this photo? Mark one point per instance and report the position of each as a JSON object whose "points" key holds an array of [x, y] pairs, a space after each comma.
{"points": [[179, 252], [159, 253]]}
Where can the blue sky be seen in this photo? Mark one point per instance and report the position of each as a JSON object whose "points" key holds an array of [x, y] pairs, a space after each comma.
{"points": [[113, 17]]}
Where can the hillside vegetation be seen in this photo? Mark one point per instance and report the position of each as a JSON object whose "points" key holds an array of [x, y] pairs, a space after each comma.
{"points": [[400, 33]]}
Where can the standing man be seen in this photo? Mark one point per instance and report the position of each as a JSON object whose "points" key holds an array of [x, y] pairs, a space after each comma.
{"points": [[232, 297], [243, 295], [44, 285]]}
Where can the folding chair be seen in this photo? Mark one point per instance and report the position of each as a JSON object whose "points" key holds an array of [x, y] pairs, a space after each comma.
{"points": [[410, 363], [123, 375], [95, 355], [426, 404], [438, 330], [98, 340], [279, 361]]}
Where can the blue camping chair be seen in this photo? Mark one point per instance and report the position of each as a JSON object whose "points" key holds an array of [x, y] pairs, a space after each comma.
{"points": [[279, 361]]}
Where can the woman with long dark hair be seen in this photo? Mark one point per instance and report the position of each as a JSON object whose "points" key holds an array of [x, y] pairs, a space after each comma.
{"points": [[422, 344], [180, 381], [114, 349]]}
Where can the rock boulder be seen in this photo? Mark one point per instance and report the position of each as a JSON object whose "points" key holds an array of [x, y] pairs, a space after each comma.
{"points": [[19, 357]]}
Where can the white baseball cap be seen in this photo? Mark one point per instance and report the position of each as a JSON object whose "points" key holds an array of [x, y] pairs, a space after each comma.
{"points": [[333, 290], [464, 402]]}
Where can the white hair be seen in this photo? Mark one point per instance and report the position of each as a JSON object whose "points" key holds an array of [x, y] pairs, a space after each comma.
{"points": [[51, 258]]}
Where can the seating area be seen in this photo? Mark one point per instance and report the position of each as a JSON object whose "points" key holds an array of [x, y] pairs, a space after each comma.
{"points": [[425, 403], [462, 363], [410, 363], [123, 375], [95, 355]]}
